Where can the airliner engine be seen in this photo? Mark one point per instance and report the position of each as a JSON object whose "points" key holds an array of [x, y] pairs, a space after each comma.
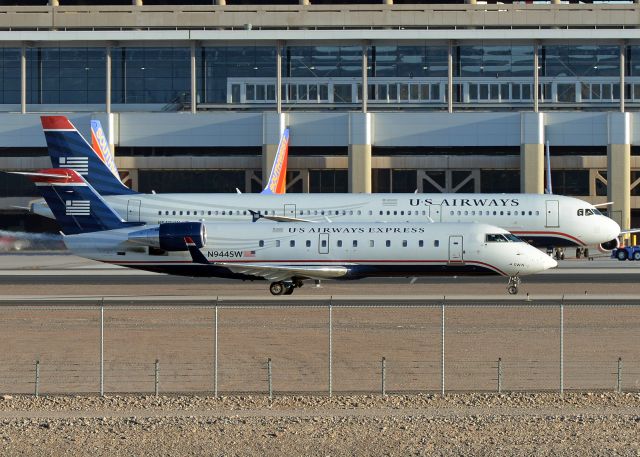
{"points": [[170, 236], [609, 245]]}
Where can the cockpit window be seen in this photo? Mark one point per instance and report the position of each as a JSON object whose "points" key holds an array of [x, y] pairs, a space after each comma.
{"points": [[589, 212], [502, 238]]}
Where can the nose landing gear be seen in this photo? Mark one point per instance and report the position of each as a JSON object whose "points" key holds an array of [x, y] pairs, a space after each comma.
{"points": [[284, 287], [512, 286]]}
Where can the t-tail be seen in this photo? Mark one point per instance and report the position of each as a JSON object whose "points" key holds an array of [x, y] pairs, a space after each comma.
{"points": [[69, 150], [277, 183], [76, 205]]}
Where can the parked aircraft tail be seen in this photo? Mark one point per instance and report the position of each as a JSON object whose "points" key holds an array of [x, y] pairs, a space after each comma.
{"points": [[76, 205], [68, 149], [277, 183]]}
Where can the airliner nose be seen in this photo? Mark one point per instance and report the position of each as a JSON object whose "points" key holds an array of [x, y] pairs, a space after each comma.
{"points": [[548, 262], [612, 229]]}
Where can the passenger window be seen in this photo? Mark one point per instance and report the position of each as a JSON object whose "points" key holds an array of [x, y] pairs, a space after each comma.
{"points": [[495, 213], [404, 243], [159, 213], [409, 213], [324, 243], [208, 213], [180, 213], [371, 243], [224, 213], [292, 243], [537, 213], [530, 213], [355, 243], [436, 243], [174, 213], [188, 212], [466, 213], [261, 243], [381, 213], [388, 243], [277, 243], [308, 243], [421, 243], [508, 213], [388, 213], [450, 213], [359, 212], [395, 213], [401, 213], [339, 243]]}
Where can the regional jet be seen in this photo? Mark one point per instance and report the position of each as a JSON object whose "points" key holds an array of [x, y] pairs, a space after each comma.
{"points": [[541, 220], [286, 254]]}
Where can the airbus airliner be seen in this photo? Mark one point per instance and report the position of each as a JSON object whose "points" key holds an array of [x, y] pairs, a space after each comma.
{"points": [[542, 220], [286, 254]]}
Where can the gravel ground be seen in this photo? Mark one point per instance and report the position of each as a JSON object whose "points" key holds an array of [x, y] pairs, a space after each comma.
{"points": [[461, 424]]}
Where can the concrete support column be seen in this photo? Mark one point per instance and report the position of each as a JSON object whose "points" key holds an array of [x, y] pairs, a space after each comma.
{"points": [[622, 70], [619, 168], [137, 2], [107, 95], [450, 77], [536, 75], [305, 2], [54, 3], [273, 125], [556, 2], [23, 79], [194, 88], [365, 82], [360, 152], [387, 2], [279, 77], [221, 2], [532, 153], [470, 2]]}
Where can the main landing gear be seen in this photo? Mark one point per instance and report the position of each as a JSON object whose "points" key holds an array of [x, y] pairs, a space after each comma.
{"points": [[284, 287], [512, 287]]}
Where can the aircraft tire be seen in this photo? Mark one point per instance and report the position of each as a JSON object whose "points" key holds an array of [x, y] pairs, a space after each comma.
{"points": [[622, 254], [636, 255], [288, 290], [277, 288]]}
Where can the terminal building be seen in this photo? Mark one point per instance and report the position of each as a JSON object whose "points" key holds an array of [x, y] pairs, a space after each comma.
{"points": [[379, 96]]}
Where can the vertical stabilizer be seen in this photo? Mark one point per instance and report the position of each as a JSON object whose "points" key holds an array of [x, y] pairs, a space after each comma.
{"points": [[277, 183], [69, 150]]}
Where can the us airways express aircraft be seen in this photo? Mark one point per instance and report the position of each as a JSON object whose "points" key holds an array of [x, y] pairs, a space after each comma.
{"points": [[542, 220], [284, 253]]}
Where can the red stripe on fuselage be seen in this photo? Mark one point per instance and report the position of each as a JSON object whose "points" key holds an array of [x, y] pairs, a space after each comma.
{"points": [[566, 235]]}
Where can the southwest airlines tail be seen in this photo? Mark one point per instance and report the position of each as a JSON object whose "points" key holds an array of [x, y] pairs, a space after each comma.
{"points": [[277, 183], [76, 205], [69, 150]]}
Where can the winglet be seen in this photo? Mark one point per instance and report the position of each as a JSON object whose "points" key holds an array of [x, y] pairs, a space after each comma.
{"points": [[196, 255], [277, 183]]}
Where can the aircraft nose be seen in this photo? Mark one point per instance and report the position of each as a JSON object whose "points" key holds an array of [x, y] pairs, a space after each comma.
{"points": [[612, 227], [548, 262]]}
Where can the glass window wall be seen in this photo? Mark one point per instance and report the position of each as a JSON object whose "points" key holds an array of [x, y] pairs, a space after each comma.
{"points": [[576, 61], [65, 75], [493, 61], [219, 63], [150, 75], [407, 61], [10, 72], [322, 61]]}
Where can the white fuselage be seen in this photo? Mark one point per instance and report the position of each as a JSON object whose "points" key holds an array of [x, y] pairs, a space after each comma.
{"points": [[365, 249], [543, 220]]}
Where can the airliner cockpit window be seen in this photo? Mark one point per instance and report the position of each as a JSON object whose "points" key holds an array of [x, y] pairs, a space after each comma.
{"points": [[496, 238], [511, 237]]}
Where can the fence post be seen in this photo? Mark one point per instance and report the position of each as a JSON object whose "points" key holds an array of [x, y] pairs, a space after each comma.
{"points": [[384, 370], [619, 379], [37, 387], [102, 348], [330, 346], [442, 355], [215, 351], [156, 377], [270, 379], [562, 347], [499, 375]]}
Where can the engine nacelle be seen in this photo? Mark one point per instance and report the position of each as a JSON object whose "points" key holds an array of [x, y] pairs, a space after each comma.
{"points": [[609, 245], [170, 236]]}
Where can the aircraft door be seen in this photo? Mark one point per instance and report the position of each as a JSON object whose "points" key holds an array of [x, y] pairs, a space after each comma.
{"points": [[290, 210], [456, 253], [133, 211], [323, 243], [553, 216], [435, 212]]}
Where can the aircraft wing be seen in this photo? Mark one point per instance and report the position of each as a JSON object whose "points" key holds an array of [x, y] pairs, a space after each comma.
{"points": [[256, 216], [271, 272], [285, 272]]}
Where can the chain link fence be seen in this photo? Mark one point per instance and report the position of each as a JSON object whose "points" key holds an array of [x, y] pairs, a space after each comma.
{"points": [[322, 347]]}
